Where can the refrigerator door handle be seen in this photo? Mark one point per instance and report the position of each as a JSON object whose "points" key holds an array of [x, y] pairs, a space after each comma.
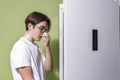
{"points": [[61, 41]]}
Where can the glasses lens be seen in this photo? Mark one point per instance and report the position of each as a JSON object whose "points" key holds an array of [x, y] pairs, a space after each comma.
{"points": [[42, 28]]}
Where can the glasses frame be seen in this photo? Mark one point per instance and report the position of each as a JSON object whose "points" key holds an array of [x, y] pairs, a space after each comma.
{"points": [[42, 28]]}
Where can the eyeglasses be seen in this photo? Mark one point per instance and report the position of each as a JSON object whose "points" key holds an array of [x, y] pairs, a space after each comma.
{"points": [[42, 28]]}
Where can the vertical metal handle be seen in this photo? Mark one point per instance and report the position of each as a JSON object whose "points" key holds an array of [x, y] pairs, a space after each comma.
{"points": [[61, 41]]}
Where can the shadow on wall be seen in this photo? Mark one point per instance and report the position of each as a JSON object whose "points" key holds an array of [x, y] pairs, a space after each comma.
{"points": [[55, 54]]}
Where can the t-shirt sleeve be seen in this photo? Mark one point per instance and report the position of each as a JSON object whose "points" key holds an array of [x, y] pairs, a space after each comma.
{"points": [[20, 57], [43, 57]]}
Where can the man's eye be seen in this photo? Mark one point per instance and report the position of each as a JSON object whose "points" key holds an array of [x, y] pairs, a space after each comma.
{"points": [[42, 28]]}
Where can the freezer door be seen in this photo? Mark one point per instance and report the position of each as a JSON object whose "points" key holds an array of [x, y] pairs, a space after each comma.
{"points": [[82, 59]]}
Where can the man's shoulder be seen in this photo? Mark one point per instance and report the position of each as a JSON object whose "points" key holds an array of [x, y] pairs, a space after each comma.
{"points": [[20, 43]]}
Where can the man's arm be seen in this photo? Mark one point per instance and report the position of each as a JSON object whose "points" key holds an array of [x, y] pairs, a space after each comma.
{"points": [[48, 63], [26, 73]]}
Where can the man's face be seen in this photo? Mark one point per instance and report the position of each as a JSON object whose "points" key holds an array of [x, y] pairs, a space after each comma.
{"points": [[38, 30]]}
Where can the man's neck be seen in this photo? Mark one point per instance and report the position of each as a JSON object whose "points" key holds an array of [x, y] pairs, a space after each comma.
{"points": [[28, 37]]}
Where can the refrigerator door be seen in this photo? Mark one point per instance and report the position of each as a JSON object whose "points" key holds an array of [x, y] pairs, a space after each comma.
{"points": [[89, 54]]}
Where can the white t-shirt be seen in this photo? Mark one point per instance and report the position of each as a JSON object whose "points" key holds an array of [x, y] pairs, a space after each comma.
{"points": [[25, 53]]}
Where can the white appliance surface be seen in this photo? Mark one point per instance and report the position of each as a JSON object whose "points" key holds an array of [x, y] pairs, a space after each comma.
{"points": [[80, 61]]}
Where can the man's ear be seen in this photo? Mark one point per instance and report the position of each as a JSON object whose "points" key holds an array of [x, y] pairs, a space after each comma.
{"points": [[30, 26]]}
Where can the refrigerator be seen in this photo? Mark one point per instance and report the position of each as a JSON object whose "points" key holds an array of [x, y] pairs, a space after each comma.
{"points": [[89, 40]]}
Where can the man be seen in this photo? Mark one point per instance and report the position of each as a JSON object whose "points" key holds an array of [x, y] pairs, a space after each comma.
{"points": [[27, 62]]}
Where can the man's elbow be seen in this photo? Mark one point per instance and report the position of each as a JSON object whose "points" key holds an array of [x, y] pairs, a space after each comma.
{"points": [[49, 69]]}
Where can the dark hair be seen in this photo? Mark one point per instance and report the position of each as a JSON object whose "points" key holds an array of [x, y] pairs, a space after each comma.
{"points": [[35, 18]]}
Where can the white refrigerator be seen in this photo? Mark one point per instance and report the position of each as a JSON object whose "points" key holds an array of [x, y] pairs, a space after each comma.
{"points": [[89, 40]]}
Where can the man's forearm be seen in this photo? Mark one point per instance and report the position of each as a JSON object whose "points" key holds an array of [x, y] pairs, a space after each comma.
{"points": [[49, 60]]}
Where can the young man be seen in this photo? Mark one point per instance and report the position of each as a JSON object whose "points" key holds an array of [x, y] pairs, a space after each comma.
{"points": [[27, 61]]}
